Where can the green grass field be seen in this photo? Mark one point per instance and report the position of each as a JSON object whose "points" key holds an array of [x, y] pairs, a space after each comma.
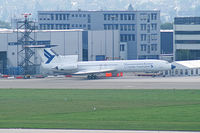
{"points": [[100, 109]]}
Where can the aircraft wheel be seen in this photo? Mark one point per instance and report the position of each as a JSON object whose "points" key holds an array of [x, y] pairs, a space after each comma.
{"points": [[92, 77], [89, 77]]}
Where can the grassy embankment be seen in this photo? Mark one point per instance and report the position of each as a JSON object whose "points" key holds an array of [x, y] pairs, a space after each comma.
{"points": [[100, 109]]}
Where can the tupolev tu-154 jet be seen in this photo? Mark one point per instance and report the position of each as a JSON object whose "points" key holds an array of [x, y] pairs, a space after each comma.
{"points": [[69, 64]]}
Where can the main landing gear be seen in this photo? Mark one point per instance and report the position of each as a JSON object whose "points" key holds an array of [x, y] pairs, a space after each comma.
{"points": [[92, 76]]}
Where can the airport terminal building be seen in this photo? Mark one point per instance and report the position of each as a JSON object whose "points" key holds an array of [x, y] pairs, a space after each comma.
{"points": [[88, 45], [139, 30]]}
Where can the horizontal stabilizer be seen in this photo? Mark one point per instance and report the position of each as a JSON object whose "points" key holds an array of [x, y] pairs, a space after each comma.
{"points": [[40, 46]]}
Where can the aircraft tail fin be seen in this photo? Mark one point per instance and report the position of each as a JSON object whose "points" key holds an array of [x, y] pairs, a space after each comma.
{"points": [[48, 56]]}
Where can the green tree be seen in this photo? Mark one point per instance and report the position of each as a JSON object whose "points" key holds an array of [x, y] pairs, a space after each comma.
{"points": [[166, 26]]}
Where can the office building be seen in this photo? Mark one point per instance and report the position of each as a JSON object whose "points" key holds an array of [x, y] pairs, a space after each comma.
{"points": [[187, 38], [140, 30]]}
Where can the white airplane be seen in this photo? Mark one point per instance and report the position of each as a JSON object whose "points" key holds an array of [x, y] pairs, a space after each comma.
{"points": [[69, 64]]}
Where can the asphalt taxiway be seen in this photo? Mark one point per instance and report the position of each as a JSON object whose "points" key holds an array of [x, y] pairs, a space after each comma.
{"points": [[127, 82]]}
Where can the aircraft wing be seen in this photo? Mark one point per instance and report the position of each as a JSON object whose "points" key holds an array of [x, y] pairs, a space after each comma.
{"points": [[94, 71]]}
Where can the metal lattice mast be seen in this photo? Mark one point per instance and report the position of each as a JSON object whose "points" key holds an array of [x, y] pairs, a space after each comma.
{"points": [[24, 30]]}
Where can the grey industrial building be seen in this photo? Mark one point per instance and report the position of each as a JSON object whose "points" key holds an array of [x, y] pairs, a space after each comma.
{"points": [[139, 30], [88, 45], [187, 38]]}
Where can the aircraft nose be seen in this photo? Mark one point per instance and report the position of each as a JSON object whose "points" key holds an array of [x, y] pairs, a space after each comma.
{"points": [[173, 66]]}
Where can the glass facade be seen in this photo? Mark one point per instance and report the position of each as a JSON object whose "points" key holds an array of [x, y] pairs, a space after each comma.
{"points": [[85, 45], [187, 55], [187, 20]]}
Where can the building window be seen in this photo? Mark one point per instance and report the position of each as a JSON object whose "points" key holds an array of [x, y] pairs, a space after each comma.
{"points": [[143, 37], [60, 16], [197, 71], [133, 37], [187, 32], [113, 17], [105, 27], [133, 16], [44, 27], [148, 49], [129, 17], [48, 26], [143, 16], [56, 16], [121, 17], [41, 26], [129, 27], [89, 20], [154, 26], [105, 17], [116, 17], [125, 27], [125, 16], [153, 47], [121, 38], [149, 38], [56, 26], [187, 41], [64, 17], [60, 26], [122, 47], [64, 26], [52, 17], [153, 37], [153, 16], [52, 26], [116, 26], [143, 47], [89, 27], [127, 37], [121, 27], [143, 27], [148, 28], [133, 27]]}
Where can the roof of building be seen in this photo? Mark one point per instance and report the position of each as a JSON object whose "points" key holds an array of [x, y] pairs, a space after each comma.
{"points": [[14, 30], [2, 30], [188, 64], [166, 30], [98, 11]]}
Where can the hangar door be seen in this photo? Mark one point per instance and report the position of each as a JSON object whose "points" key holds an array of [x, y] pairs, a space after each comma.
{"points": [[3, 62]]}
